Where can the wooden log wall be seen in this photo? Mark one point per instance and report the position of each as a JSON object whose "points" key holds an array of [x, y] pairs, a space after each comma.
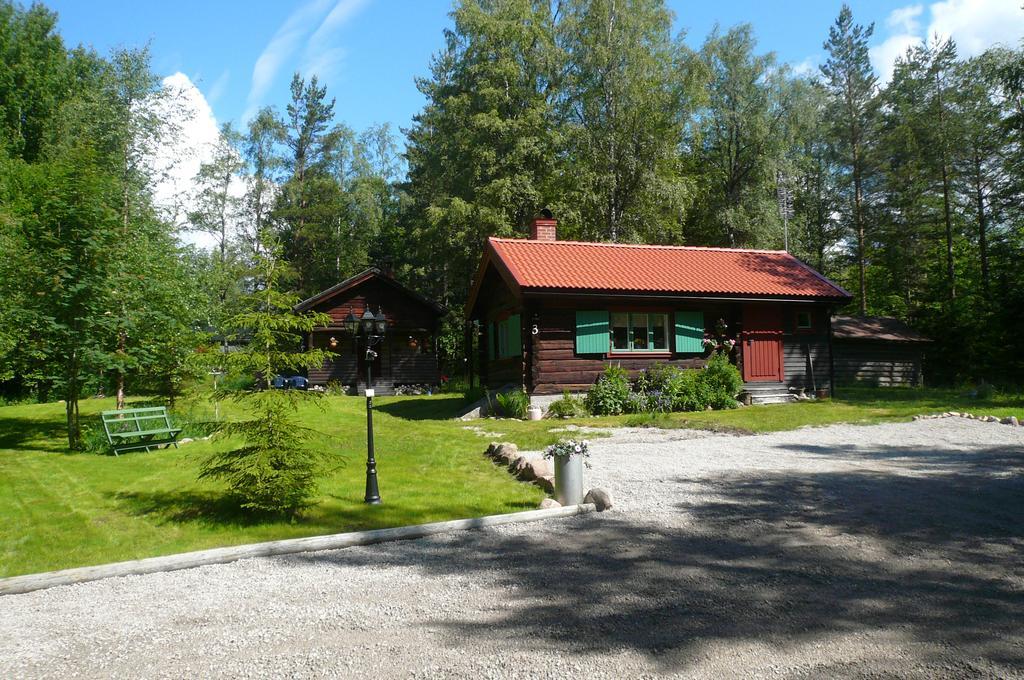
{"points": [[399, 364], [876, 363], [795, 350], [556, 367]]}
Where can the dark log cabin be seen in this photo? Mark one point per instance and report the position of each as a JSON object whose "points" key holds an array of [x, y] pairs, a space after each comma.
{"points": [[551, 314], [878, 351], [407, 355]]}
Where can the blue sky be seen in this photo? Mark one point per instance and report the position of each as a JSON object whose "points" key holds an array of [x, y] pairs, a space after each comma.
{"points": [[241, 55]]}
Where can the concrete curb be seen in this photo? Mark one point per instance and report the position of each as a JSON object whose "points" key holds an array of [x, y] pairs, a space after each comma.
{"points": [[50, 579]]}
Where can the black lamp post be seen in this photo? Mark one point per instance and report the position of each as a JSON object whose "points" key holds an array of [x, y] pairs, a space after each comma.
{"points": [[371, 329]]}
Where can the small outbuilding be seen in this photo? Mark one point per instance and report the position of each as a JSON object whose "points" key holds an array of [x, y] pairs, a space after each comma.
{"points": [[877, 350], [406, 356]]}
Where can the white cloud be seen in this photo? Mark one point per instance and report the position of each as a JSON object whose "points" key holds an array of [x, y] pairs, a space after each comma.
{"points": [[883, 57], [807, 67], [905, 19], [284, 43], [216, 91], [321, 58], [976, 25], [338, 17], [176, 162]]}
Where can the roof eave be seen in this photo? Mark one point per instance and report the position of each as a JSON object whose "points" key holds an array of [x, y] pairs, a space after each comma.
{"points": [[681, 295], [491, 256], [361, 277]]}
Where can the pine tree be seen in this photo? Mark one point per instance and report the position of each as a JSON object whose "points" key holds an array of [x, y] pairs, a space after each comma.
{"points": [[482, 152], [852, 85], [275, 469], [309, 201]]}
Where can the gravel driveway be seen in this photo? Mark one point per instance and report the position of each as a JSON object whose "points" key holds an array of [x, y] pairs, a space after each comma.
{"points": [[889, 550]]}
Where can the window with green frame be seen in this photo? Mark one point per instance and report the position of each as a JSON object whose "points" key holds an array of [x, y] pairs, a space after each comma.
{"points": [[638, 331], [507, 340]]}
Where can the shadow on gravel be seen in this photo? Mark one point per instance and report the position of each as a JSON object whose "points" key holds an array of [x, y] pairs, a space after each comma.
{"points": [[780, 560], [921, 459]]}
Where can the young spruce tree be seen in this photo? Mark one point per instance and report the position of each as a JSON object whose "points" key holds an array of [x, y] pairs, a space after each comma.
{"points": [[275, 468]]}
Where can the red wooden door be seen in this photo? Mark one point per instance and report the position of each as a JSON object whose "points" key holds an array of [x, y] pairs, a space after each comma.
{"points": [[762, 343]]}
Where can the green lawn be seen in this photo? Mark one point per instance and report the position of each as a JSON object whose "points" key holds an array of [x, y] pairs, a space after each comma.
{"points": [[852, 405], [60, 510]]}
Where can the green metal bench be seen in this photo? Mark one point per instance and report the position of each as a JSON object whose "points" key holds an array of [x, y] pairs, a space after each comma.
{"points": [[139, 428]]}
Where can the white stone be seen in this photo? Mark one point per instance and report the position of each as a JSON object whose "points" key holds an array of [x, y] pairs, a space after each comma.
{"points": [[549, 503]]}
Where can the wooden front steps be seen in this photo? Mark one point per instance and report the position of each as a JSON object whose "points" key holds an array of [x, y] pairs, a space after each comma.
{"points": [[768, 393]]}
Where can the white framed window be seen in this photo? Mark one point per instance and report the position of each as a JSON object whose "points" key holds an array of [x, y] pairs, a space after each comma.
{"points": [[638, 331]]}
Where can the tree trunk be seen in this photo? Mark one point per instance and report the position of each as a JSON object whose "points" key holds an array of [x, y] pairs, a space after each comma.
{"points": [[950, 268], [71, 405], [979, 195], [858, 222], [122, 341]]}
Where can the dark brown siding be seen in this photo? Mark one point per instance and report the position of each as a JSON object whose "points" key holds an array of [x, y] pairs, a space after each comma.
{"points": [[550, 364], [556, 366], [497, 301], [885, 364], [399, 364], [401, 310], [803, 348], [800, 353]]}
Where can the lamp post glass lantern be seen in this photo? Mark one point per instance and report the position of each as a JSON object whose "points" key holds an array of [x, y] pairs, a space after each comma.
{"points": [[370, 329]]}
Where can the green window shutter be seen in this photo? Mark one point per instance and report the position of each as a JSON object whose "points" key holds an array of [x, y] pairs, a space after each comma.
{"points": [[592, 332], [492, 338], [689, 331], [515, 337]]}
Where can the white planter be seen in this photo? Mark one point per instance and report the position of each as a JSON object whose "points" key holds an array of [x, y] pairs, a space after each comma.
{"points": [[569, 479]]}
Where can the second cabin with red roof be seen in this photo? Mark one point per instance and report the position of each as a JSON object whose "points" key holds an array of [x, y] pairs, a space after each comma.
{"points": [[551, 314]]}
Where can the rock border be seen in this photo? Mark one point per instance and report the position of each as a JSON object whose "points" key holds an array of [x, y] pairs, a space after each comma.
{"points": [[538, 471], [1012, 421], [27, 583], [535, 470]]}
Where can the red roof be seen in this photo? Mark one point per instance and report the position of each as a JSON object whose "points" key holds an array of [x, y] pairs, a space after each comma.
{"points": [[572, 265]]}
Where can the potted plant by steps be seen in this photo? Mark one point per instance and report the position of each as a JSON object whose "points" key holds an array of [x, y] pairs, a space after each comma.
{"points": [[568, 457]]}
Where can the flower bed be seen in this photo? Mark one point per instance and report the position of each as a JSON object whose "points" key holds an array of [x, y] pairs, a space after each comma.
{"points": [[663, 388]]}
